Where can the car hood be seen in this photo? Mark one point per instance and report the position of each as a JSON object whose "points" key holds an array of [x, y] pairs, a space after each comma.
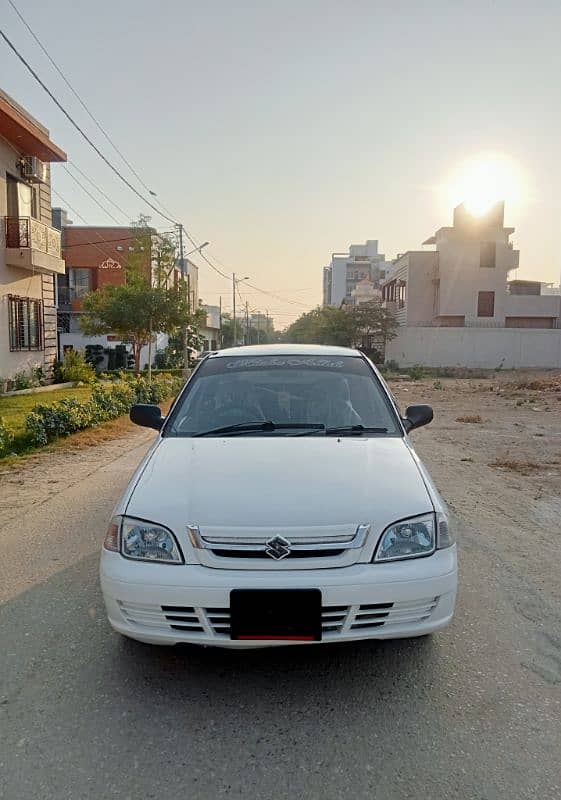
{"points": [[279, 481]]}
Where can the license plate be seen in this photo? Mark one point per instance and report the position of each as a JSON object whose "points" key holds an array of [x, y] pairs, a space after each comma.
{"points": [[292, 615]]}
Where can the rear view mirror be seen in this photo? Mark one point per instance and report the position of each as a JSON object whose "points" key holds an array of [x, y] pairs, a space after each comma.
{"points": [[417, 416], [146, 415]]}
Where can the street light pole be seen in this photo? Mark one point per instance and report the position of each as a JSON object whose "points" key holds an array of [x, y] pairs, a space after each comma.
{"points": [[235, 326]]}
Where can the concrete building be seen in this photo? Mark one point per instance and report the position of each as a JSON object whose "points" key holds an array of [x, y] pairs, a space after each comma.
{"points": [[30, 249], [464, 281], [261, 324], [347, 270], [212, 329], [365, 292]]}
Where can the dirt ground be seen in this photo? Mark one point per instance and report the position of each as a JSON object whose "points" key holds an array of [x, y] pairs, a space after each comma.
{"points": [[499, 470]]}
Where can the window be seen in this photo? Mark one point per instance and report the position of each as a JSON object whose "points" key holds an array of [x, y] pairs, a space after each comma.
{"points": [[486, 304], [80, 281], [487, 255], [25, 323]]}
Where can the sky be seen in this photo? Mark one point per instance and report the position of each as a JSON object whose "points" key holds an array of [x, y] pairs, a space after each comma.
{"points": [[281, 131]]}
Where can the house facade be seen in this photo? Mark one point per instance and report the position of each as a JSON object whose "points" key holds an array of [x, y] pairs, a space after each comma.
{"points": [[211, 331], [96, 257], [30, 248], [464, 281]]}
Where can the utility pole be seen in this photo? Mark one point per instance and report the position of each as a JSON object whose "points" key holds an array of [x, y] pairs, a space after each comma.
{"points": [[247, 323], [235, 325], [185, 286], [258, 322], [220, 323]]}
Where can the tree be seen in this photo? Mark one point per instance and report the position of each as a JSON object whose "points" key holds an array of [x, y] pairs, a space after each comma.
{"points": [[322, 325], [136, 310], [367, 326], [374, 327]]}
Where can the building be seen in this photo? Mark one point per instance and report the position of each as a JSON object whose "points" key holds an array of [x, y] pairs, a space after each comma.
{"points": [[30, 249], [347, 270], [262, 324], [211, 332], [95, 256], [464, 281], [365, 291]]}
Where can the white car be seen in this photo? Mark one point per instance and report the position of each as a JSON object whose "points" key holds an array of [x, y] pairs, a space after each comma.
{"points": [[281, 503]]}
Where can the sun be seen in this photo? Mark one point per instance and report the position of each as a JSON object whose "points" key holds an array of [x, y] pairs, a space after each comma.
{"points": [[483, 180]]}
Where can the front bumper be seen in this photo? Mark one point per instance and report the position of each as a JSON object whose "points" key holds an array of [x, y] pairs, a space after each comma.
{"points": [[171, 604]]}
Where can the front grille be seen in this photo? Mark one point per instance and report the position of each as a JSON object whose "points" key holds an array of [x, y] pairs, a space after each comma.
{"points": [[261, 554], [268, 551], [335, 620]]}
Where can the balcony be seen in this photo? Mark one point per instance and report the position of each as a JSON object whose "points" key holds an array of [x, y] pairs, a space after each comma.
{"points": [[32, 245]]}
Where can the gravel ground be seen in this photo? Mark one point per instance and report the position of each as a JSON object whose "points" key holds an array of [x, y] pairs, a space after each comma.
{"points": [[472, 712]]}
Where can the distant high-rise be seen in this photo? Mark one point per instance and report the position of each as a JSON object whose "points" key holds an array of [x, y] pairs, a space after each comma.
{"points": [[346, 270]]}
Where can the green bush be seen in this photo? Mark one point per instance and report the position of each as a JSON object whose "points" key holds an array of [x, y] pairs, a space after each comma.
{"points": [[5, 439], [22, 381], [416, 372], [46, 423], [75, 368]]}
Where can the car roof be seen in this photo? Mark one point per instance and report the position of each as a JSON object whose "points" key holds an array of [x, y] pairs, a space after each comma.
{"points": [[286, 350]]}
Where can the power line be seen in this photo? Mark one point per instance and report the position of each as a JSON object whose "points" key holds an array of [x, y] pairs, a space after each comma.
{"points": [[77, 213], [81, 131], [105, 241], [166, 216], [87, 191], [83, 174], [75, 93]]}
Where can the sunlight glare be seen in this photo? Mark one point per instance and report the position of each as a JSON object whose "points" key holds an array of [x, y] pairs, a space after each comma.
{"points": [[481, 181]]}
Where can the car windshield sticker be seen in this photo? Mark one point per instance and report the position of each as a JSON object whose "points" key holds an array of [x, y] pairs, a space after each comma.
{"points": [[285, 361]]}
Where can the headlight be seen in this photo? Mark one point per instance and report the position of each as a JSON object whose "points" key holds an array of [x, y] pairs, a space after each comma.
{"points": [[410, 538], [144, 541], [415, 537]]}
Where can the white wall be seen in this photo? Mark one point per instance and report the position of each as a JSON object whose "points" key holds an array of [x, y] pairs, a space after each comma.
{"points": [[484, 348], [78, 341], [532, 305]]}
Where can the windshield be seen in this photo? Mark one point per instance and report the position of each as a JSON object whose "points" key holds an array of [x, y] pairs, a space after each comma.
{"points": [[323, 393]]}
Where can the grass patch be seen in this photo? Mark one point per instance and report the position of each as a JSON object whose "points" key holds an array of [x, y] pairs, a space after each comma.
{"points": [[15, 409], [474, 419], [82, 440]]}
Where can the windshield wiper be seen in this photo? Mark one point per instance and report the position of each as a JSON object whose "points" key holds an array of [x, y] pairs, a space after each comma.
{"points": [[346, 430], [353, 430], [265, 425]]}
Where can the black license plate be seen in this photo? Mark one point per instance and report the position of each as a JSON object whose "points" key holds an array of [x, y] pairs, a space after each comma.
{"points": [[282, 614]]}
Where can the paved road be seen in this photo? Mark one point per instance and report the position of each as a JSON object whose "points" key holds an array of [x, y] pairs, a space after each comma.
{"points": [[86, 715]]}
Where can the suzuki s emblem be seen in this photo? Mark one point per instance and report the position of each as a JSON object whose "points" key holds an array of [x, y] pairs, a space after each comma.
{"points": [[278, 547]]}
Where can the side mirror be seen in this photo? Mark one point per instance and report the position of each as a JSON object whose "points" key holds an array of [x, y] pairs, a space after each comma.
{"points": [[417, 416], [146, 415]]}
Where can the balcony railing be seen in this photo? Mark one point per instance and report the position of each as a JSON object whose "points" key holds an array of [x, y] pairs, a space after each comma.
{"points": [[26, 232]]}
